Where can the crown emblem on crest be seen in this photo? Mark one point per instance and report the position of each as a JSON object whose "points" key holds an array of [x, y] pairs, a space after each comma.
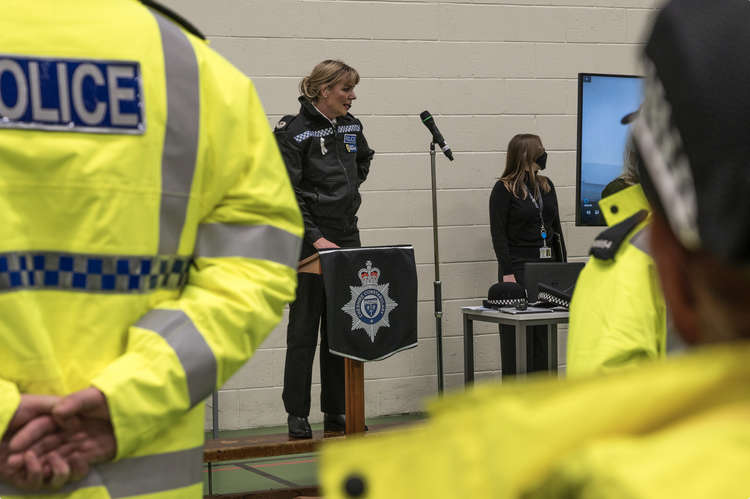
{"points": [[369, 275]]}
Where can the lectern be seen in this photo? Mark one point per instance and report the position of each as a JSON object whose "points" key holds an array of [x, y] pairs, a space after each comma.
{"points": [[371, 302], [355, 369]]}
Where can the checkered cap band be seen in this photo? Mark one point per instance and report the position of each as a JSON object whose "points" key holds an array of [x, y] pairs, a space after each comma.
{"points": [[661, 148], [504, 303], [91, 273], [555, 300]]}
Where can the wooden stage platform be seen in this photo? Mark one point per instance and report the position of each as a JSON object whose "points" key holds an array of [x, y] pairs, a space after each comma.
{"points": [[279, 444]]}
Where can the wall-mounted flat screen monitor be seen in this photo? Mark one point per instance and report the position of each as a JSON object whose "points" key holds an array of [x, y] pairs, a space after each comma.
{"points": [[603, 100]]}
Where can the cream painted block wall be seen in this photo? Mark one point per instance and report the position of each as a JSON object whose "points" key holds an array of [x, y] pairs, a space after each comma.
{"points": [[486, 69]]}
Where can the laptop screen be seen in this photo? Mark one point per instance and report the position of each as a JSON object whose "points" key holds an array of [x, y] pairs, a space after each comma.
{"points": [[558, 275]]}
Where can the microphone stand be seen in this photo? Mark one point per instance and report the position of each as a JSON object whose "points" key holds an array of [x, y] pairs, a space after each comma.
{"points": [[437, 284]]}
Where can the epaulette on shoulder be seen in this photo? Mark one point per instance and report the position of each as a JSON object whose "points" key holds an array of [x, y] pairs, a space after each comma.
{"points": [[284, 123], [607, 243], [174, 16]]}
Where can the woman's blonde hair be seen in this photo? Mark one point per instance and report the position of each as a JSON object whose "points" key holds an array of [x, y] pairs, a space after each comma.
{"points": [[523, 150], [327, 74], [630, 174]]}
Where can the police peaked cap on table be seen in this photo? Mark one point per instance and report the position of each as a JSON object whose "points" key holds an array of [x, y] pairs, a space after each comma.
{"points": [[693, 129], [505, 294], [557, 297]]}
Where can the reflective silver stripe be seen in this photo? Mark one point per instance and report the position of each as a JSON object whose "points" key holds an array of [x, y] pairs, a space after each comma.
{"points": [[91, 273], [135, 476], [93, 479], [197, 358], [264, 242], [152, 474], [641, 240], [181, 134]]}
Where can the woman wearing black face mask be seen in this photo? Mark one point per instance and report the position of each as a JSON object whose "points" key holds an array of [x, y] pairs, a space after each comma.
{"points": [[525, 226]]}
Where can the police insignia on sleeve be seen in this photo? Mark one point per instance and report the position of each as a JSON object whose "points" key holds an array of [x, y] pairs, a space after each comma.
{"points": [[284, 122], [370, 304], [71, 95]]}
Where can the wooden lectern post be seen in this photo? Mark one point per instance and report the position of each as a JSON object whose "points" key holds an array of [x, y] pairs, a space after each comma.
{"points": [[355, 396], [355, 370]]}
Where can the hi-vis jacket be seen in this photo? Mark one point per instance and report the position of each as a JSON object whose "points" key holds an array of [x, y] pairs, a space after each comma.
{"points": [[618, 315], [149, 233], [677, 428]]}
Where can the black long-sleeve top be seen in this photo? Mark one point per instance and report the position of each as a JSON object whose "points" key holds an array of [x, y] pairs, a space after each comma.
{"points": [[514, 222]]}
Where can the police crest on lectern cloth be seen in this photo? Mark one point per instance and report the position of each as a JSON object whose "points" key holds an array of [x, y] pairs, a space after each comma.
{"points": [[371, 300], [370, 304]]}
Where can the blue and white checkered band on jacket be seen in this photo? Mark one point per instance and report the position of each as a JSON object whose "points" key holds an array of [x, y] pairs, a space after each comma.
{"points": [[326, 132], [91, 273]]}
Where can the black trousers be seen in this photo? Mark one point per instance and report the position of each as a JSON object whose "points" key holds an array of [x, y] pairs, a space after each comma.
{"points": [[305, 315], [537, 347]]}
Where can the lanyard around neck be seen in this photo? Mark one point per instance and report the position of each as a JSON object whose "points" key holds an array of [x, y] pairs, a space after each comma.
{"points": [[536, 199], [539, 205]]}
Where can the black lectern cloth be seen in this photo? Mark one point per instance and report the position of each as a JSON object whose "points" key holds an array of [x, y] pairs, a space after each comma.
{"points": [[371, 300]]}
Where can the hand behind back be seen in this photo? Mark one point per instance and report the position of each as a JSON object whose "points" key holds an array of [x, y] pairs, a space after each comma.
{"points": [[52, 441]]}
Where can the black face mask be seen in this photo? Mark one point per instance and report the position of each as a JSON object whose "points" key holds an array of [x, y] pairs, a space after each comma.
{"points": [[542, 161]]}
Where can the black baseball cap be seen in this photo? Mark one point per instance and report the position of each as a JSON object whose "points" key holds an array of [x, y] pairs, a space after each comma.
{"points": [[693, 129]]}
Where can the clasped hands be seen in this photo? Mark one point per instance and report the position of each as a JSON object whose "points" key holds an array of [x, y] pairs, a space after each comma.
{"points": [[52, 441]]}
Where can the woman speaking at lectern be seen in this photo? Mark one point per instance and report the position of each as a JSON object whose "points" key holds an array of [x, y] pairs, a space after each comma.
{"points": [[525, 227], [327, 158]]}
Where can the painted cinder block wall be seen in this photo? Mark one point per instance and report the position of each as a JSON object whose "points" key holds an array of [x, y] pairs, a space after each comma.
{"points": [[486, 69]]}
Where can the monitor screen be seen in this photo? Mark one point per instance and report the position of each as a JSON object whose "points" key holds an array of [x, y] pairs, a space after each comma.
{"points": [[603, 100]]}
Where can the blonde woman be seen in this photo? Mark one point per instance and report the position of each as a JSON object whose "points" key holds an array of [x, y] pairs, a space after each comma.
{"points": [[327, 157], [525, 227]]}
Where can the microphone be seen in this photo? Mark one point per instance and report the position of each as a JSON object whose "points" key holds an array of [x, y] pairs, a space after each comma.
{"points": [[437, 138]]}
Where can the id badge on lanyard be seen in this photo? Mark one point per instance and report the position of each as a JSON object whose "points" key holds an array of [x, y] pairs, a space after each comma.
{"points": [[545, 252]]}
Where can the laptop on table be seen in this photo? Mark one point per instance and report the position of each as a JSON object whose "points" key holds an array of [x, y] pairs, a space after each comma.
{"points": [[561, 276]]}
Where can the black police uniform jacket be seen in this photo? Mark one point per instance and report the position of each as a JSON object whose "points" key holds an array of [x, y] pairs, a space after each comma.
{"points": [[326, 163]]}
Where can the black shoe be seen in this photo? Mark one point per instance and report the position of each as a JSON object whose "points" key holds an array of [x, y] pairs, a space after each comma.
{"points": [[298, 427], [334, 423]]}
